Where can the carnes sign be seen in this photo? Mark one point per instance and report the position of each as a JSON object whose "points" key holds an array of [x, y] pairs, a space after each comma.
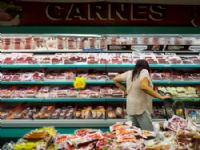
{"points": [[34, 13]]}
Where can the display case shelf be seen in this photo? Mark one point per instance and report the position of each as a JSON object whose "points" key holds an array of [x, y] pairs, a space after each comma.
{"points": [[53, 100], [97, 66], [99, 82]]}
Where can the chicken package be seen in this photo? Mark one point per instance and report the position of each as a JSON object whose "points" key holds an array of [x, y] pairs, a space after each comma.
{"points": [[69, 75], [111, 114], [86, 113], [127, 59], [45, 112], [56, 114], [67, 59], [70, 112], [63, 113]]}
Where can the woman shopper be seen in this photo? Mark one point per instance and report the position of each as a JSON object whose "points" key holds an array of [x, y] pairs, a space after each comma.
{"points": [[139, 90]]}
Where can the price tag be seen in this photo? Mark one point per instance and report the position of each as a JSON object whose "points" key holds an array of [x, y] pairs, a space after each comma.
{"points": [[79, 83]]}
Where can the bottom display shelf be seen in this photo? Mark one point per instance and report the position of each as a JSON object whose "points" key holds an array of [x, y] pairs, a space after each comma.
{"points": [[17, 128]]}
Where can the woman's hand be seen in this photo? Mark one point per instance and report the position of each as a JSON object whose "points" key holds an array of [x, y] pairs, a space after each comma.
{"points": [[166, 97]]}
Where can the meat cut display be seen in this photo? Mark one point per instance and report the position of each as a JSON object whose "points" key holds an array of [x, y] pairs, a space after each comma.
{"points": [[95, 58]]}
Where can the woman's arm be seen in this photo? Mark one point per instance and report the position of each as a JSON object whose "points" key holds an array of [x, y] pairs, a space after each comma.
{"points": [[117, 80], [145, 86]]}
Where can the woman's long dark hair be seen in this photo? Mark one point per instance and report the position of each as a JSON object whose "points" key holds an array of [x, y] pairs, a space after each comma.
{"points": [[140, 64]]}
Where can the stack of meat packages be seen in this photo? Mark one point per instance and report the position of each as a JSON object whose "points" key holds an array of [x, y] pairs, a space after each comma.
{"points": [[21, 111], [52, 43], [95, 58]]}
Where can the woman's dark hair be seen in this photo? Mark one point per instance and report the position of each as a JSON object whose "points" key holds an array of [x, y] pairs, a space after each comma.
{"points": [[140, 64]]}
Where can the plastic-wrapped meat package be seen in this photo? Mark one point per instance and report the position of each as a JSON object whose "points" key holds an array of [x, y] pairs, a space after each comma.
{"points": [[117, 92], [70, 112], [86, 113], [21, 114], [80, 43], [104, 59], [2, 58], [92, 59], [72, 93], [116, 59], [9, 58], [60, 43], [119, 112], [162, 60], [38, 76], [175, 60], [99, 112], [7, 76], [156, 76], [91, 43], [196, 60], [60, 76], [16, 77], [39, 43], [28, 43], [91, 76], [51, 43], [127, 59], [84, 93], [187, 76], [166, 76], [113, 40], [94, 94], [111, 114], [19, 93], [56, 114], [43, 59], [1, 76], [68, 59], [102, 43], [53, 92], [56, 59], [62, 93], [176, 123], [29, 113], [7, 44], [71, 43], [106, 92], [151, 60], [187, 60], [30, 59], [6, 93], [20, 58], [196, 76], [176, 76], [63, 113], [78, 58], [30, 91], [50, 76], [45, 112], [43, 92], [27, 77], [69, 75], [102, 76]]}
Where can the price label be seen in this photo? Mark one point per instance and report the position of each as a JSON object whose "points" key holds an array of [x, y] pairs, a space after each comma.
{"points": [[79, 83]]}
